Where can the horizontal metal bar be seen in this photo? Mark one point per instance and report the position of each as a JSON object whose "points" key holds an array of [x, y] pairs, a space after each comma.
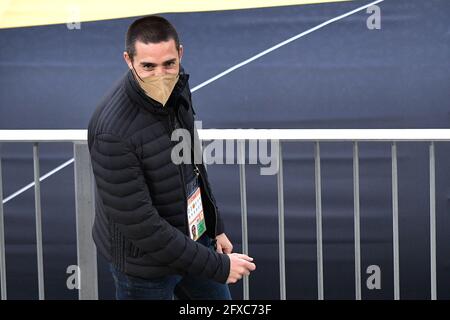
{"points": [[319, 135], [43, 135]]}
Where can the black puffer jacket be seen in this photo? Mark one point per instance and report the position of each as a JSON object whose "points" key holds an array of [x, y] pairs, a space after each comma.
{"points": [[141, 219]]}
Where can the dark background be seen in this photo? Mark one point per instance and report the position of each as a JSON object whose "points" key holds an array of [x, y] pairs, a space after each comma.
{"points": [[341, 76]]}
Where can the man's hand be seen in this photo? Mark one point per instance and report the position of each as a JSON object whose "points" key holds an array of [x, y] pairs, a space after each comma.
{"points": [[240, 265], [223, 244]]}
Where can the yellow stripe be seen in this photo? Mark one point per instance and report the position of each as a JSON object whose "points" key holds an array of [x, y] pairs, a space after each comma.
{"points": [[24, 13]]}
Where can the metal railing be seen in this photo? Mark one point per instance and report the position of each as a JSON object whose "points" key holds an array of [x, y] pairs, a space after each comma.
{"points": [[85, 211]]}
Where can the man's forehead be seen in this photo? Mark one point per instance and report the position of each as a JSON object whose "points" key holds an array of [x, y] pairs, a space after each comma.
{"points": [[158, 52]]}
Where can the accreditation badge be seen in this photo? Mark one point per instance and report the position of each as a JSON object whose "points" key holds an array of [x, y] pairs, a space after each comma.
{"points": [[196, 218]]}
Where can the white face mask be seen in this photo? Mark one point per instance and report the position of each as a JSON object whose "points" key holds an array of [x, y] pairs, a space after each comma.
{"points": [[158, 88]]}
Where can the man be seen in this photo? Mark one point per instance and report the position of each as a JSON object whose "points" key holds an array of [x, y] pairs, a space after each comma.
{"points": [[142, 196], [194, 232]]}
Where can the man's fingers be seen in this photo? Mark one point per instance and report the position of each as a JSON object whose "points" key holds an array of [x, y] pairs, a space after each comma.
{"points": [[227, 250], [244, 256], [219, 248], [249, 265]]}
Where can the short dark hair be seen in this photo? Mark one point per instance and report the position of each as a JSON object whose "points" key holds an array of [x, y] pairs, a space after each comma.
{"points": [[149, 29]]}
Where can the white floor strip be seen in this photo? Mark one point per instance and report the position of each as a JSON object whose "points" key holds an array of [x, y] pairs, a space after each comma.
{"points": [[281, 44], [31, 185]]}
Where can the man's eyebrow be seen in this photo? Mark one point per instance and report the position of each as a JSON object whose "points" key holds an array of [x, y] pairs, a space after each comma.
{"points": [[149, 64], [169, 61]]}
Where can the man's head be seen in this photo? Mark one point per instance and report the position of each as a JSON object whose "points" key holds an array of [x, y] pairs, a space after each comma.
{"points": [[152, 47]]}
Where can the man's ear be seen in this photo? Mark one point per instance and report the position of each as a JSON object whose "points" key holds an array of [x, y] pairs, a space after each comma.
{"points": [[127, 59], [180, 52]]}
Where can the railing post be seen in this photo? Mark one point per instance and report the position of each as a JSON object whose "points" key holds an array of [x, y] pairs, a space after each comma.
{"points": [[85, 213], [433, 222], [395, 228], [357, 223], [2, 237], [243, 189], [37, 201], [319, 241], [281, 236]]}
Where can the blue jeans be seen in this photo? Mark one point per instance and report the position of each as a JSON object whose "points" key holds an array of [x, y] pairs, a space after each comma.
{"points": [[170, 287]]}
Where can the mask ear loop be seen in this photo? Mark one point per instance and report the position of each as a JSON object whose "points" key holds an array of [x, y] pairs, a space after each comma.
{"points": [[135, 72]]}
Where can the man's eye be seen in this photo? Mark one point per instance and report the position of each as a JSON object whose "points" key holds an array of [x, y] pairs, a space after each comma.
{"points": [[148, 66]]}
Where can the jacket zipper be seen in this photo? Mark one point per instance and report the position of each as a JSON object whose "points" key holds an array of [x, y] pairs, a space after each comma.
{"points": [[180, 170]]}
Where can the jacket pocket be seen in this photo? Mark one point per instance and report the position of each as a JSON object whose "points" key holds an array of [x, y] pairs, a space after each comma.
{"points": [[132, 250]]}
